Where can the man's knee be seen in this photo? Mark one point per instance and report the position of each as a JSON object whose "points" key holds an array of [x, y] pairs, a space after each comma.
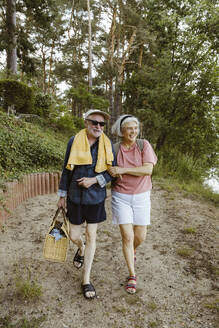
{"points": [[74, 237], [75, 233], [90, 236], [91, 233]]}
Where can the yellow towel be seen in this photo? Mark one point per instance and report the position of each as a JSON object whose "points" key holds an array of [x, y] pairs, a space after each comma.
{"points": [[80, 152]]}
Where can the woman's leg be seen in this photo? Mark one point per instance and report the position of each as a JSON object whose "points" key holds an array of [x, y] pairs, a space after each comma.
{"points": [[139, 235], [127, 234]]}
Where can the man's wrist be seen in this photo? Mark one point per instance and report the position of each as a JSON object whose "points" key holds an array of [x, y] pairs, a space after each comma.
{"points": [[62, 193]]}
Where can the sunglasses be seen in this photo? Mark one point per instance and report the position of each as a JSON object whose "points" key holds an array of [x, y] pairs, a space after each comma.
{"points": [[96, 122]]}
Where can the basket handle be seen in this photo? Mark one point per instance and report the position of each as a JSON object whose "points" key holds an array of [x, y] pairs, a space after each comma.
{"points": [[57, 213]]}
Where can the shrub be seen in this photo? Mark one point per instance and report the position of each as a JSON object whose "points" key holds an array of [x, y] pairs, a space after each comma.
{"points": [[180, 166], [43, 105], [16, 93], [65, 123], [26, 148], [69, 125]]}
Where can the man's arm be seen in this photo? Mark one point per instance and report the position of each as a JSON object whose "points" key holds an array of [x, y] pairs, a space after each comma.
{"points": [[64, 181]]}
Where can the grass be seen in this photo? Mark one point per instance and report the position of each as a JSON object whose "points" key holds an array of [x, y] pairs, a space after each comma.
{"points": [[152, 306], [184, 173], [185, 251], [26, 288], [119, 309], [213, 306], [189, 230], [152, 324], [189, 189], [6, 322], [134, 299]]}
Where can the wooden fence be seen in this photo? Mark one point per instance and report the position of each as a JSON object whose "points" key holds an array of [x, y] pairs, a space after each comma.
{"points": [[16, 192]]}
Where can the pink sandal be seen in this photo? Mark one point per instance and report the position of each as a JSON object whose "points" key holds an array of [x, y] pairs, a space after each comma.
{"points": [[130, 287]]}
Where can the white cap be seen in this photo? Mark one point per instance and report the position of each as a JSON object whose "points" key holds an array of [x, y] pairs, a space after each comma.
{"points": [[96, 111]]}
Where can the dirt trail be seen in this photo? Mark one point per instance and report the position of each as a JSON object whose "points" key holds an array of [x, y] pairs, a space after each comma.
{"points": [[173, 290]]}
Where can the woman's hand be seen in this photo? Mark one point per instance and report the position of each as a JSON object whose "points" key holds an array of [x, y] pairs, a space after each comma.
{"points": [[116, 171], [87, 182]]}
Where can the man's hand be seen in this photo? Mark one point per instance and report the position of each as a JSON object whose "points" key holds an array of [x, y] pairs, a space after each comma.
{"points": [[61, 202], [86, 182]]}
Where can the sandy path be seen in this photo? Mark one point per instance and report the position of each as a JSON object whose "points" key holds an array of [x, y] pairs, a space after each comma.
{"points": [[173, 291]]}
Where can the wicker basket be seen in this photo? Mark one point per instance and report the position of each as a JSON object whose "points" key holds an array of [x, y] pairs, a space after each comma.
{"points": [[56, 250]]}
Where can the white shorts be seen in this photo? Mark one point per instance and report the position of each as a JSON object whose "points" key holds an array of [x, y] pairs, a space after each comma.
{"points": [[134, 209]]}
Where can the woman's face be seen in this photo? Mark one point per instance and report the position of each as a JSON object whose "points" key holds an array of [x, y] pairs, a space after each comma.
{"points": [[130, 132]]}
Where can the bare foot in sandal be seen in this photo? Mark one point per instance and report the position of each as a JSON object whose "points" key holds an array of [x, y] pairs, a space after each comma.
{"points": [[131, 285], [78, 260], [89, 291]]}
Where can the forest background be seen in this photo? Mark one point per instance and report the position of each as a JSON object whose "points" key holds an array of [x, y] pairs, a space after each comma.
{"points": [[157, 60]]}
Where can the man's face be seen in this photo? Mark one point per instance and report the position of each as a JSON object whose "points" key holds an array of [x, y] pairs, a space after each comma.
{"points": [[93, 129]]}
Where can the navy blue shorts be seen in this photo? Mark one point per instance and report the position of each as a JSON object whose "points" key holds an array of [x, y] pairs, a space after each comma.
{"points": [[79, 213]]}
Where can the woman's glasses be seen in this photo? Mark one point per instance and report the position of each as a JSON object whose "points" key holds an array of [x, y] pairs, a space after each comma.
{"points": [[96, 122]]}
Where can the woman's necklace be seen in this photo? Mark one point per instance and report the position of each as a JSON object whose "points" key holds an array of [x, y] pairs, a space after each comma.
{"points": [[128, 146]]}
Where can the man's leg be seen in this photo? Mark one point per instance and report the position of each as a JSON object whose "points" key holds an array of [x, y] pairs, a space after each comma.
{"points": [[90, 247], [75, 236]]}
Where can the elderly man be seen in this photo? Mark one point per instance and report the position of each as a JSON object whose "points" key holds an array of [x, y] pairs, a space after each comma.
{"points": [[82, 186]]}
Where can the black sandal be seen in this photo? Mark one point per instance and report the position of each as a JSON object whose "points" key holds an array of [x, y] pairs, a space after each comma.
{"points": [[79, 259], [88, 288]]}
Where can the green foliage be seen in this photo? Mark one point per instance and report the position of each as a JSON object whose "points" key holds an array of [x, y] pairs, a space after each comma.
{"points": [[167, 77], [78, 122], [43, 104], [16, 93], [182, 167], [84, 99], [173, 93], [183, 172], [68, 125], [27, 148]]}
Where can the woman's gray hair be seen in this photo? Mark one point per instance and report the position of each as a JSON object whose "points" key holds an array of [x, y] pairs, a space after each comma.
{"points": [[120, 122]]}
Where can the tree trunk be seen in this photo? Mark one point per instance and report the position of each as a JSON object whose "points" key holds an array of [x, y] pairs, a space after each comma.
{"points": [[140, 57], [90, 47], [72, 12], [120, 75], [44, 70], [12, 40], [110, 58], [50, 65], [160, 141]]}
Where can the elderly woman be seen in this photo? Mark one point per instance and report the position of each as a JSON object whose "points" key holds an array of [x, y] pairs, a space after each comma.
{"points": [[131, 190]]}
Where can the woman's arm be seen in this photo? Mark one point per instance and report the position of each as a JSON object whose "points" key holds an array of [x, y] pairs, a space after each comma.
{"points": [[145, 169]]}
